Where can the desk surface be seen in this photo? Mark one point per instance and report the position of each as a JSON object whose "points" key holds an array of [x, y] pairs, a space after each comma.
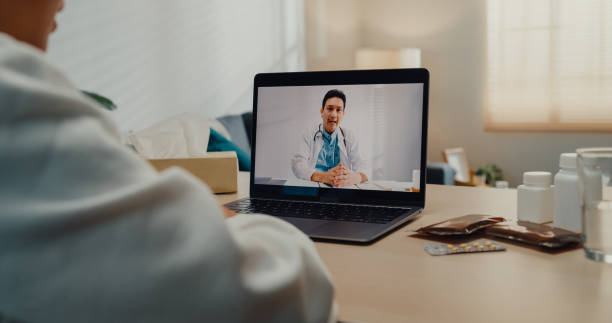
{"points": [[395, 280]]}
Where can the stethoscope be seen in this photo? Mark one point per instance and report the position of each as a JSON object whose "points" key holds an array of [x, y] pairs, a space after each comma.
{"points": [[314, 138]]}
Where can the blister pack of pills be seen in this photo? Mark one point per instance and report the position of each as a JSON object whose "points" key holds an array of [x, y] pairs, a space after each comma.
{"points": [[482, 245]]}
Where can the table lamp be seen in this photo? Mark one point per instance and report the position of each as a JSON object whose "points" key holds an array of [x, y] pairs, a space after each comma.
{"points": [[369, 58]]}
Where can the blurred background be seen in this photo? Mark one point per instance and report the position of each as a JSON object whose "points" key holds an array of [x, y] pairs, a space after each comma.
{"points": [[513, 82]]}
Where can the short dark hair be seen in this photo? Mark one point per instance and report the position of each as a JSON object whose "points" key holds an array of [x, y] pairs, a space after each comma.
{"points": [[335, 93]]}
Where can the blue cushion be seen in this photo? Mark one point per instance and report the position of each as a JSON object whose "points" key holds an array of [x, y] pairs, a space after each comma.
{"points": [[235, 126], [440, 173], [216, 142]]}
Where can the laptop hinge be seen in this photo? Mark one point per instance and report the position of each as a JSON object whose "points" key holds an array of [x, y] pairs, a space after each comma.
{"points": [[337, 203]]}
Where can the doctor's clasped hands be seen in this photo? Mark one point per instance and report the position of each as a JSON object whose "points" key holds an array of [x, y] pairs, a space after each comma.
{"points": [[338, 176]]}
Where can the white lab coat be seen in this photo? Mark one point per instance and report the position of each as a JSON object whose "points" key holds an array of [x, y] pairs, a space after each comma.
{"points": [[89, 232], [305, 159]]}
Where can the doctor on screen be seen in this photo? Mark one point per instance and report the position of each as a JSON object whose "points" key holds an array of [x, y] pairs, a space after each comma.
{"points": [[329, 153]]}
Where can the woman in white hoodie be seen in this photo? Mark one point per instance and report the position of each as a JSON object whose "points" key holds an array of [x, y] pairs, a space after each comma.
{"points": [[91, 233]]}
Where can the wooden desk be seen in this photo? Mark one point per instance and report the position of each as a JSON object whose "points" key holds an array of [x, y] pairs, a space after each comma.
{"points": [[394, 280]]}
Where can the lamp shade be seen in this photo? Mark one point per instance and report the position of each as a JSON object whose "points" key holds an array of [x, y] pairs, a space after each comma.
{"points": [[368, 58]]}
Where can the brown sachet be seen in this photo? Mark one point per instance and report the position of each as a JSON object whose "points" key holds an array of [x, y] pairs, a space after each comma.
{"points": [[533, 234], [462, 225]]}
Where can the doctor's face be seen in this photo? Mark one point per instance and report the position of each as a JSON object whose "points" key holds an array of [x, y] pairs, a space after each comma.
{"points": [[30, 21], [332, 113]]}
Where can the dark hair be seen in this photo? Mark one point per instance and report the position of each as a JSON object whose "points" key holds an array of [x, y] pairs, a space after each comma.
{"points": [[335, 93]]}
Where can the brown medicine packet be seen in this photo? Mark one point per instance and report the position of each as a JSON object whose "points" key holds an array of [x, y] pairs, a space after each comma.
{"points": [[462, 225], [533, 234]]}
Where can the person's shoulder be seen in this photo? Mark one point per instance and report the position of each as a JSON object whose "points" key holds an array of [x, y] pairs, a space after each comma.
{"points": [[19, 58], [34, 87], [309, 130], [347, 132], [10, 46]]}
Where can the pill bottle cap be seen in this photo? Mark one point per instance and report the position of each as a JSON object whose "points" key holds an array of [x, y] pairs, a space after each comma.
{"points": [[537, 178], [568, 160]]}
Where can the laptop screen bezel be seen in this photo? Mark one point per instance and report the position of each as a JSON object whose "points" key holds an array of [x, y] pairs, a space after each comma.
{"points": [[361, 77]]}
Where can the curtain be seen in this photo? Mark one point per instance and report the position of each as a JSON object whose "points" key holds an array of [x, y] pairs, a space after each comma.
{"points": [[549, 65]]}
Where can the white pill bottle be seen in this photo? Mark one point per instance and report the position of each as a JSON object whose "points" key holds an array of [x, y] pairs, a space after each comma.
{"points": [[535, 198], [567, 196]]}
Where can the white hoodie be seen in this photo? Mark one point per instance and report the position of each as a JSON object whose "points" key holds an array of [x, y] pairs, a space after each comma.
{"points": [[89, 232]]}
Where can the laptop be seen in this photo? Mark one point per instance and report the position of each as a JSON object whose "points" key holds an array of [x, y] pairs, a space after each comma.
{"points": [[340, 154]]}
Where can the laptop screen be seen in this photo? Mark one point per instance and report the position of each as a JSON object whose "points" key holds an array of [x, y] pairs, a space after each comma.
{"points": [[341, 137]]}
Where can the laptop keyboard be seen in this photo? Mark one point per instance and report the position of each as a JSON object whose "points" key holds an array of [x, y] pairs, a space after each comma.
{"points": [[316, 210]]}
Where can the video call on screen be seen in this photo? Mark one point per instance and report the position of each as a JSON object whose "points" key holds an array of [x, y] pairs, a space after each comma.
{"points": [[365, 137]]}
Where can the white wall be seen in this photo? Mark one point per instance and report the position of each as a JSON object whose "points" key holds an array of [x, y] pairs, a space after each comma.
{"points": [[452, 37], [161, 58], [333, 33], [386, 120]]}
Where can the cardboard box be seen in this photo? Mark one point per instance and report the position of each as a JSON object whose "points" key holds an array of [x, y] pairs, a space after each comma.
{"points": [[219, 170]]}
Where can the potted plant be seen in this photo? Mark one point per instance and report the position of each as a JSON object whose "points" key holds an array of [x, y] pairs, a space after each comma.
{"points": [[492, 173]]}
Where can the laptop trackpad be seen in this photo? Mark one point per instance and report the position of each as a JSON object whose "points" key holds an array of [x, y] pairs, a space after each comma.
{"points": [[305, 225], [335, 229], [347, 230]]}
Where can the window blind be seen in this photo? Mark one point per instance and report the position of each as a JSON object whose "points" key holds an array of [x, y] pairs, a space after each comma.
{"points": [[549, 65]]}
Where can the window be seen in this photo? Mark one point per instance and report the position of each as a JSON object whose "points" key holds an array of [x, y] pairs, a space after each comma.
{"points": [[549, 65]]}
